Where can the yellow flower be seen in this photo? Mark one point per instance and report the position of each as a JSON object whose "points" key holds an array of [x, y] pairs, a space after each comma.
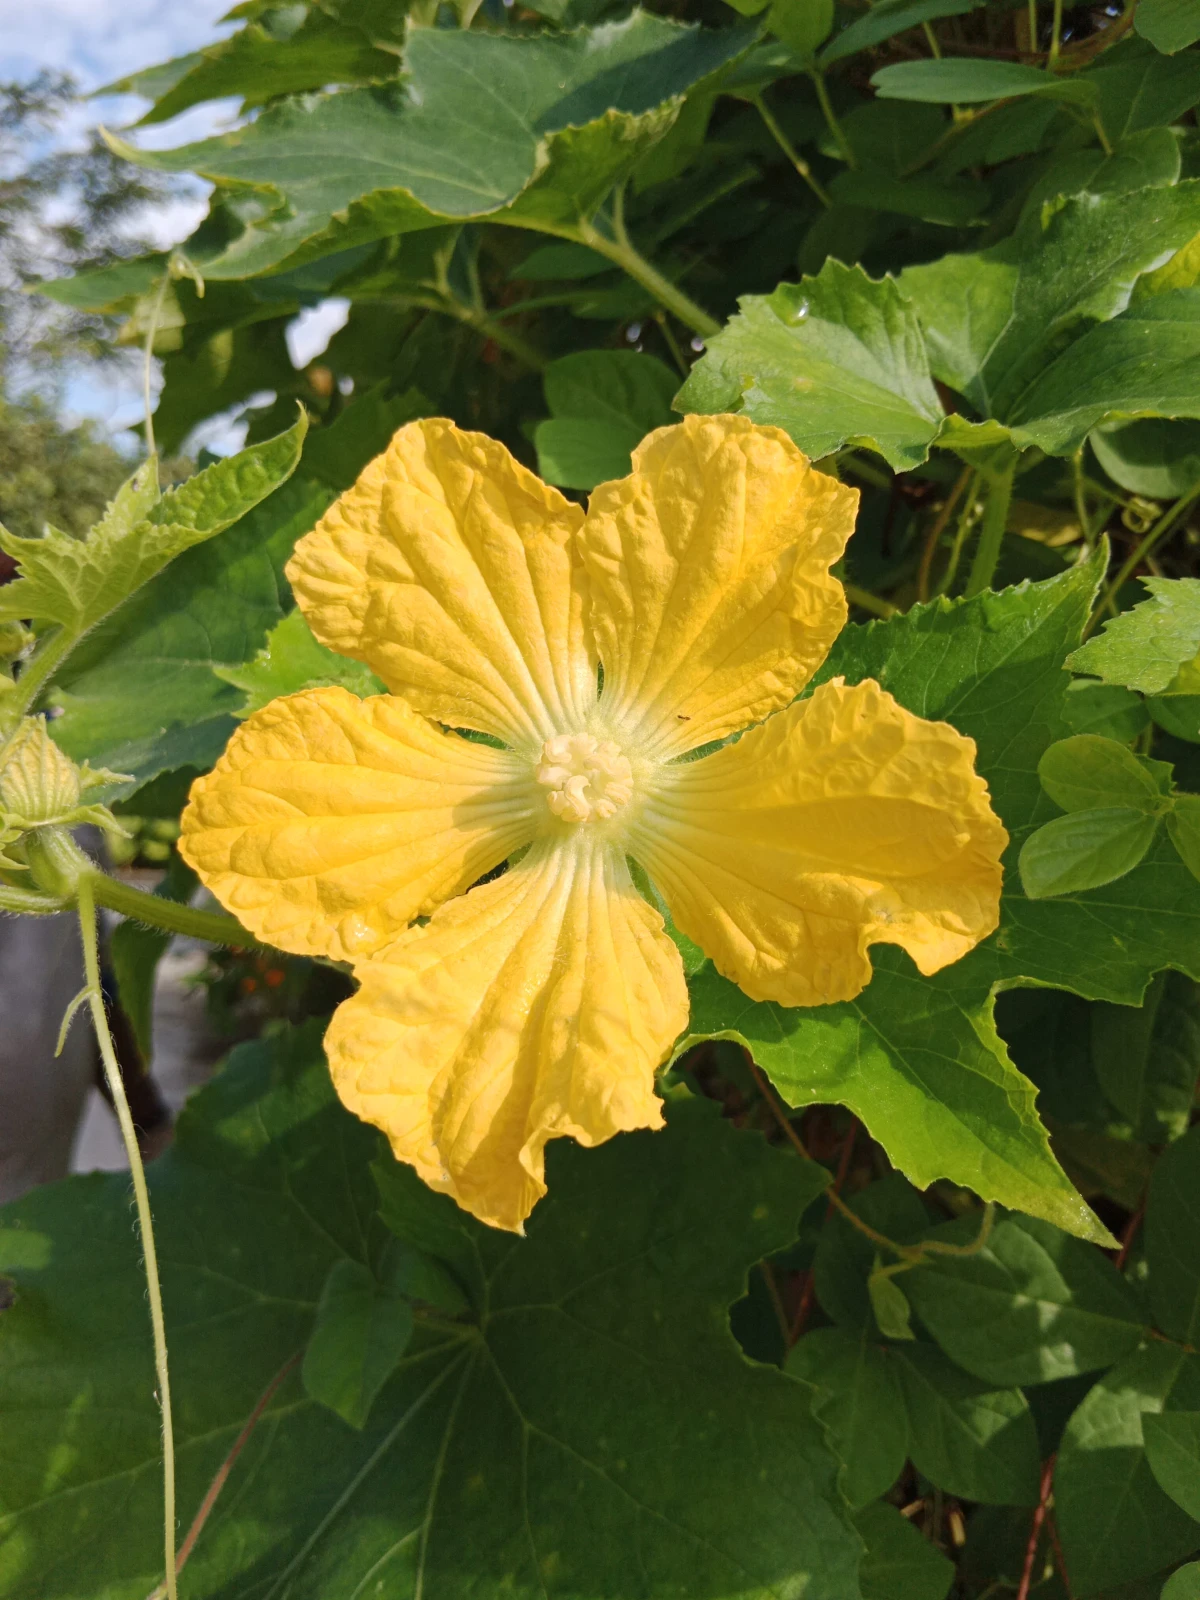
{"points": [[540, 1003]]}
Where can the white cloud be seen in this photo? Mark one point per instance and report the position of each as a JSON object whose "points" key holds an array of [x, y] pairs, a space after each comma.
{"points": [[310, 332], [100, 40]]}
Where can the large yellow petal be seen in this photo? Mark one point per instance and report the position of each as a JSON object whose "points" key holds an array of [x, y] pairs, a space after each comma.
{"points": [[330, 822], [842, 822], [711, 599], [447, 569], [535, 1007]]}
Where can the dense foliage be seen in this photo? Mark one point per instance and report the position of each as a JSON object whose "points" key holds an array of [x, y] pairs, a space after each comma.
{"points": [[905, 1300]]}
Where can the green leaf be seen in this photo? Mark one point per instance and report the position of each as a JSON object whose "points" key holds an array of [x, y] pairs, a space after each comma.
{"points": [[921, 1064], [1173, 1239], [1147, 159], [578, 1428], [78, 582], [1173, 1451], [1084, 850], [142, 685], [1178, 714], [1153, 456], [259, 66], [1169, 25], [892, 1310], [1139, 88], [1032, 1306], [564, 117], [888, 18], [802, 25], [1087, 771], [1144, 648], [292, 660], [1183, 1584], [335, 454], [1141, 364], [972, 1441], [962, 80], [899, 1564], [996, 320], [1106, 709], [860, 1406], [1115, 1523], [1183, 826], [837, 359], [1147, 1058], [602, 403], [362, 1330]]}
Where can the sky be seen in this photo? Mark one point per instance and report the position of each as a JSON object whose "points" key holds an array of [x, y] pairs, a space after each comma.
{"points": [[99, 41]]}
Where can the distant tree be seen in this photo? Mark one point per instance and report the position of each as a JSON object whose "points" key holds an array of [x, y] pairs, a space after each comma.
{"points": [[61, 211], [51, 471]]}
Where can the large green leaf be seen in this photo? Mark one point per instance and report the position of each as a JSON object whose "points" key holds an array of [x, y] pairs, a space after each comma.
{"points": [[836, 359], [1115, 1522], [1144, 648], [860, 1405], [923, 1067], [993, 320], [78, 582], [1032, 1306], [602, 404], [1143, 363], [590, 1426], [291, 660], [1173, 1451], [535, 129], [1169, 25], [1173, 1239], [260, 65], [1147, 1058], [971, 1440], [142, 686], [899, 1563]]}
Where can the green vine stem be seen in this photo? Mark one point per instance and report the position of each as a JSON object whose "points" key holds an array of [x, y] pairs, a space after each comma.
{"points": [[991, 537], [789, 149], [112, 1073], [1169, 519], [831, 118], [618, 249], [168, 915]]}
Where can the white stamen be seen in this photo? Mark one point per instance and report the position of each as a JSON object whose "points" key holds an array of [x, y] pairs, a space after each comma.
{"points": [[588, 779]]}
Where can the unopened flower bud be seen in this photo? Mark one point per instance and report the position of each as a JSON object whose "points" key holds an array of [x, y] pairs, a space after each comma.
{"points": [[38, 783], [15, 639]]}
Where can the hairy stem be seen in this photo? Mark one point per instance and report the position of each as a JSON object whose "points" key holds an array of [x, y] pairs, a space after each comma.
{"points": [[168, 915], [112, 1072], [991, 538], [622, 253]]}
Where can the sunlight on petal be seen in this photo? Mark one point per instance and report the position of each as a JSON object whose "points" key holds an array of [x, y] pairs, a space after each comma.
{"points": [[712, 602], [331, 822], [447, 569], [536, 1007], [843, 822]]}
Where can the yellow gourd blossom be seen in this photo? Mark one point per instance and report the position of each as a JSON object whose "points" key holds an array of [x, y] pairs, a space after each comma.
{"points": [[598, 652]]}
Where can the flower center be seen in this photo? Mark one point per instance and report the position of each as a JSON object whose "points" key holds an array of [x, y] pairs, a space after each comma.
{"points": [[587, 779]]}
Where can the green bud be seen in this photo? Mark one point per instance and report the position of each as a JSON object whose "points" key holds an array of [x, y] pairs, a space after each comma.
{"points": [[38, 783], [15, 639]]}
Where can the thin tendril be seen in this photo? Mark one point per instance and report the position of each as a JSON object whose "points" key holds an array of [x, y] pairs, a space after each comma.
{"points": [[151, 334], [112, 1072]]}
